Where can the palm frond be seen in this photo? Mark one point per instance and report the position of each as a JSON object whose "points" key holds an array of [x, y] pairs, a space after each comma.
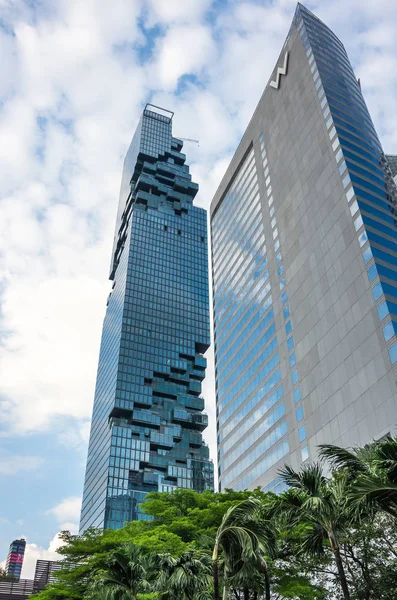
{"points": [[341, 457], [314, 539], [372, 488], [309, 479], [387, 453]]}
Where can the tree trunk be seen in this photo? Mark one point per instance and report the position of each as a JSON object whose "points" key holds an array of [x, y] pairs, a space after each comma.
{"points": [[342, 574], [215, 572], [225, 585], [363, 564], [339, 565], [265, 571], [246, 594]]}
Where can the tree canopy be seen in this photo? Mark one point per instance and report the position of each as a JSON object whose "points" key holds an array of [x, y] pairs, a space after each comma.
{"points": [[327, 536]]}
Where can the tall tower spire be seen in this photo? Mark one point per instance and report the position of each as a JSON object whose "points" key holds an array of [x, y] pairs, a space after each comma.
{"points": [[146, 432]]}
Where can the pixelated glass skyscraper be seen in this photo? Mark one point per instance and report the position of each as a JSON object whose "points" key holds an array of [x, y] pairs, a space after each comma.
{"points": [[147, 423]]}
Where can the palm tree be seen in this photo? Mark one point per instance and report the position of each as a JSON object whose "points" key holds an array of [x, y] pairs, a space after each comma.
{"points": [[187, 577], [320, 504], [125, 573], [373, 471], [244, 536]]}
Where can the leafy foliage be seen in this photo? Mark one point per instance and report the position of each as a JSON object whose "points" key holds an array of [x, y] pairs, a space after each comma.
{"points": [[325, 537]]}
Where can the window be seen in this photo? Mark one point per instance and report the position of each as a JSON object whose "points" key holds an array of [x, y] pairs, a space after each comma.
{"points": [[346, 180], [353, 208], [367, 255], [393, 353], [339, 154], [332, 133], [299, 413], [302, 433], [305, 453], [383, 310], [388, 331], [363, 238], [297, 393], [377, 291], [372, 273], [349, 193], [358, 223]]}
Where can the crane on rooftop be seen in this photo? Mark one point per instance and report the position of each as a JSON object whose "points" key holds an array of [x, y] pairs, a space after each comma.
{"points": [[189, 140]]}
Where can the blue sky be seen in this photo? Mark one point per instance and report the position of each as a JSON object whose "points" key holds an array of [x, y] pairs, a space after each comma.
{"points": [[75, 76]]}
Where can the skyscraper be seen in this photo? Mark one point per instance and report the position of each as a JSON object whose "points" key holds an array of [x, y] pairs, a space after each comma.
{"points": [[15, 558], [147, 423], [392, 160], [304, 253]]}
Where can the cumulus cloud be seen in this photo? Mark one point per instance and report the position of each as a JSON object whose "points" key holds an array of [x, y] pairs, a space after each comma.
{"points": [[66, 511], [34, 552], [184, 50], [67, 515], [175, 12], [71, 92], [12, 464]]}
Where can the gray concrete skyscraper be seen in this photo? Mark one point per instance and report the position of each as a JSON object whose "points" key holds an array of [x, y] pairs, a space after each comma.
{"points": [[304, 254]]}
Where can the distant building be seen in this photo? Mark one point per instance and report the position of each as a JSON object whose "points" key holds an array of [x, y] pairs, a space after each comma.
{"points": [[20, 589], [16, 589], [44, 572], [392, 160], [15, 557]]}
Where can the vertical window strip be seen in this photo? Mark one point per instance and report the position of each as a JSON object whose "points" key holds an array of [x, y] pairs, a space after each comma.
{"points": [[282, 283]]}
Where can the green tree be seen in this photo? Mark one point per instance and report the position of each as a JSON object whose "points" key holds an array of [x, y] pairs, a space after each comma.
{"points": [[186, 578], [124, 573], [244, 537], [260, 552], [320, 505], [373, 471]]}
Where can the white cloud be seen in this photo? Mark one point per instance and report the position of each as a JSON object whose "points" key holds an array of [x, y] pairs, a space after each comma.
{"points": [[34, 552], [184, 50], [175, 12], [71, 91], [67, 510], [12, 465], [72, 527]]}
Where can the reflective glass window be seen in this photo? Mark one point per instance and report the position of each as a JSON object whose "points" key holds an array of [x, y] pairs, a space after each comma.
{"points": [[302, 433], [299, 413]]}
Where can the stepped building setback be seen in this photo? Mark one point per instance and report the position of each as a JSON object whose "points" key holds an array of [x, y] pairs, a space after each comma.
{"points": [[147, 423], [304, 255]]}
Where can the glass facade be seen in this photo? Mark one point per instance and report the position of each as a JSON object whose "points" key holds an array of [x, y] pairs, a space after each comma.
{"points": [[15, 558], [147, 423], [304, 256], [366, 172], [250, 410]]}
